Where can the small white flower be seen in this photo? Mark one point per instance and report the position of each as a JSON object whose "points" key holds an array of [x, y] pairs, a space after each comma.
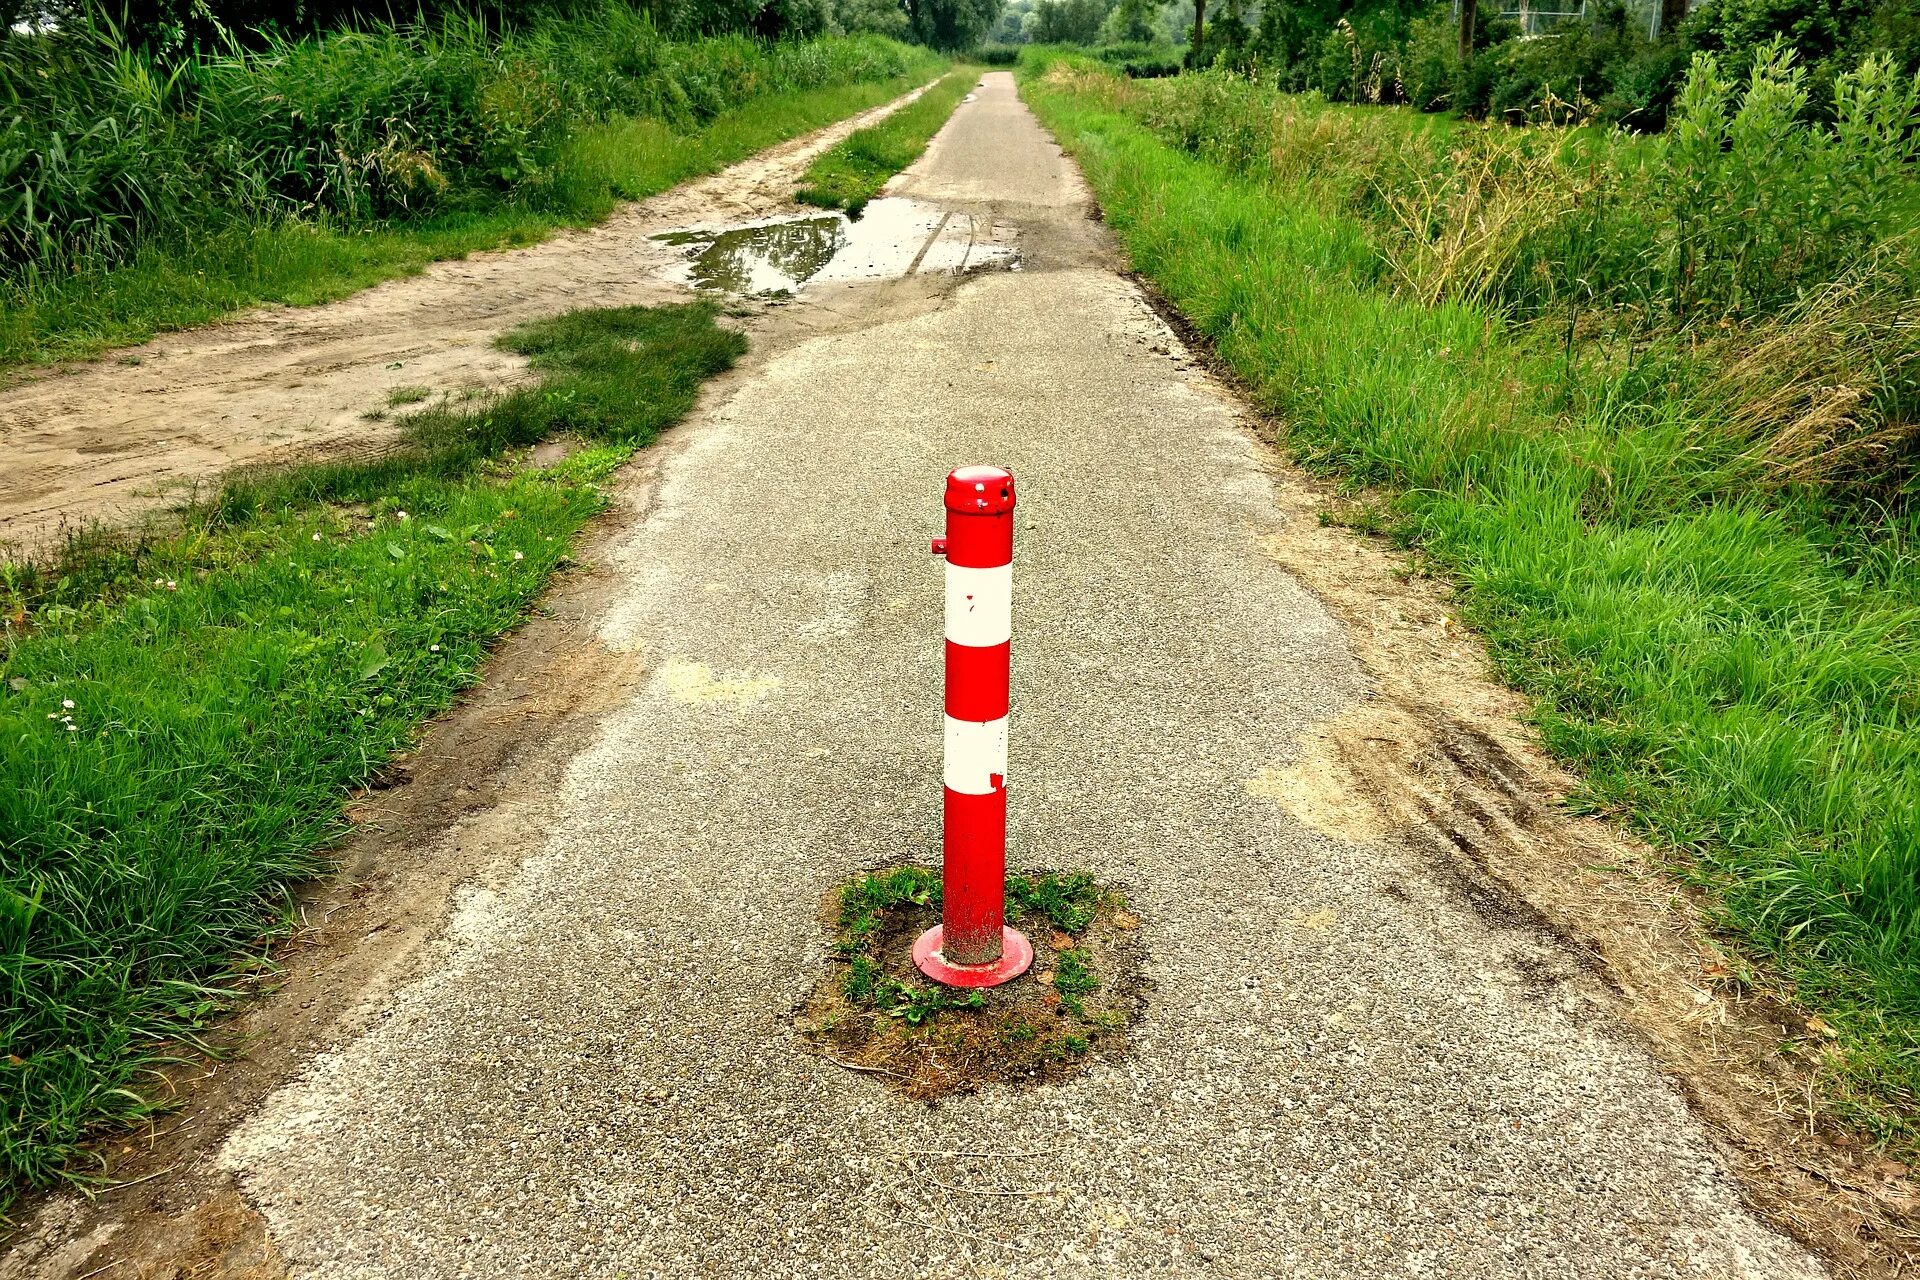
{"points": [[67, 703], [399, 515], [433, 648], [53, 715], [316, 537], [519, 555], [172, 585], [71, 727]]}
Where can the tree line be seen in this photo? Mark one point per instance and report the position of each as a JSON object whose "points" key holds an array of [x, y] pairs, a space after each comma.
{"points": [[1616, 60], [183, 24]]}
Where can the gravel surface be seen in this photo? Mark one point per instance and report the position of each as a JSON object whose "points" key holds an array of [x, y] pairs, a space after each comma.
{"points": [[1345, 1068]]}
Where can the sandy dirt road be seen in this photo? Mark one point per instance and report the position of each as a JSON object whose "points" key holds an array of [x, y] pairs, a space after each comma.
{"points": [[1364, 1053], [125, 435]]}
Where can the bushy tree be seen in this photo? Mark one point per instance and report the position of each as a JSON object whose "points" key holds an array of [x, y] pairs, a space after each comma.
{"points": [[1229, 38], [884, 17], [1132, 22], [951, 24], [1288, 31], [1010, 27], [1067, 21], [1606, 62]]}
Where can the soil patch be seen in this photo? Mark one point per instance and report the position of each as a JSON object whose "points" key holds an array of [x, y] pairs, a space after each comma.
{"points": [[875, 1012]]}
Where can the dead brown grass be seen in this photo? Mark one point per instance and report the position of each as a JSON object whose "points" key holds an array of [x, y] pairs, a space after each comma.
{"points": [[1813, 397]]}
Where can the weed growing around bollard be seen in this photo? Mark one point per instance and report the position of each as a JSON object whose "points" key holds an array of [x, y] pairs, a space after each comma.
{"points": [[874, 1011]]}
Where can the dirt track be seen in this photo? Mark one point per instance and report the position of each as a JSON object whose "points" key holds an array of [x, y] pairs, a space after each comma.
{"points": [[1408, 1018], [114, 438]]}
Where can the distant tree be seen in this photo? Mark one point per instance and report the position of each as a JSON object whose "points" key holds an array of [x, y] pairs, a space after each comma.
{"points": [[1010, 27], [1133, 22], [951, 24], [1176, 21], [884, 17], [1227, 42], [1068, 21]]}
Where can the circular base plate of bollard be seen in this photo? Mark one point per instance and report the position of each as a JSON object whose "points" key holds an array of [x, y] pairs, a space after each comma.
{"points": [[1016, 954]]}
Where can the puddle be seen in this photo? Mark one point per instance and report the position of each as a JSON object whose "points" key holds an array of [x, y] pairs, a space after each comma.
{"points": [[778, 257], [763, 259]]}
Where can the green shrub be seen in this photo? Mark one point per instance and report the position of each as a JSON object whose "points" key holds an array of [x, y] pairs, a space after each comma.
{"points": [[1141, 59], [1759, 203], [1430, 61], [1641, 85], [103, 147], [1338, 70], [1744, 205]]}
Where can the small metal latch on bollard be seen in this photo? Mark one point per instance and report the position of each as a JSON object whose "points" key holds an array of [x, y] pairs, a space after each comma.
{"points": [[972, 945]]}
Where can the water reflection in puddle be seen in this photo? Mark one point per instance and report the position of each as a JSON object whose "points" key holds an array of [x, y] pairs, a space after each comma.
{"points": [[763, 258], [777, 257]]}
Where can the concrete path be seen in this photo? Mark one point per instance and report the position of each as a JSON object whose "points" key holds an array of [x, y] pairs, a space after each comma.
{"points": [[1345, 1070]]}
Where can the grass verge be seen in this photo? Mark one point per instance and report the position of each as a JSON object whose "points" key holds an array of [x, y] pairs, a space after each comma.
{"points": [[184, 716], [876, 1011], [852, 173], [174, 285], [1734, 668]]}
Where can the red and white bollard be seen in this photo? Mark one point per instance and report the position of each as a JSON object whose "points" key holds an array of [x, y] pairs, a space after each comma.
{"points": [[972, 945]]}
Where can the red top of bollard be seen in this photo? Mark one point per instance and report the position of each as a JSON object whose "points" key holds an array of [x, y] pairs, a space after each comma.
{"points": [[980, 491]]}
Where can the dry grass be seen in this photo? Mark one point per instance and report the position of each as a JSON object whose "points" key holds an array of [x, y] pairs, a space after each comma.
{"points": [[1812, 395], [1462, 227]]}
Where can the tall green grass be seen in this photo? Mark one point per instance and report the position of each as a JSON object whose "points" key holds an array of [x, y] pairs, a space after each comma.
{"points": [[181, 719], [848, 175], [1731, 657], [137, 195]]}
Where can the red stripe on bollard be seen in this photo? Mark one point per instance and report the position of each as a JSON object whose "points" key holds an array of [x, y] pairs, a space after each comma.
{"points": [[977, 680], [972, 946]]}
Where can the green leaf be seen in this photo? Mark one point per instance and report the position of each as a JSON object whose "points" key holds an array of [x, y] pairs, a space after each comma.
{"points": [[373, 660]]}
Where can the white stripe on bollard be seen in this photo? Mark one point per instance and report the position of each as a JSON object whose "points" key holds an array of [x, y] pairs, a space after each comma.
{"points": [[980, 605], [976, 755]]}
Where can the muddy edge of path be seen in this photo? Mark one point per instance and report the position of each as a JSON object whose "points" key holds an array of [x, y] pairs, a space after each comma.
{"points": [[120, 438], [1441, 753]]}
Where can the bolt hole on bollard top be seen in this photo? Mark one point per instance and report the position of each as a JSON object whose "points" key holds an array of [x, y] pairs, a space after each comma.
{"points": [[972, 945]]}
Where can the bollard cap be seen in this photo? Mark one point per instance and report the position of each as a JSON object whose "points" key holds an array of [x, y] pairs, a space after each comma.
{"points": [[980, 491]]}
